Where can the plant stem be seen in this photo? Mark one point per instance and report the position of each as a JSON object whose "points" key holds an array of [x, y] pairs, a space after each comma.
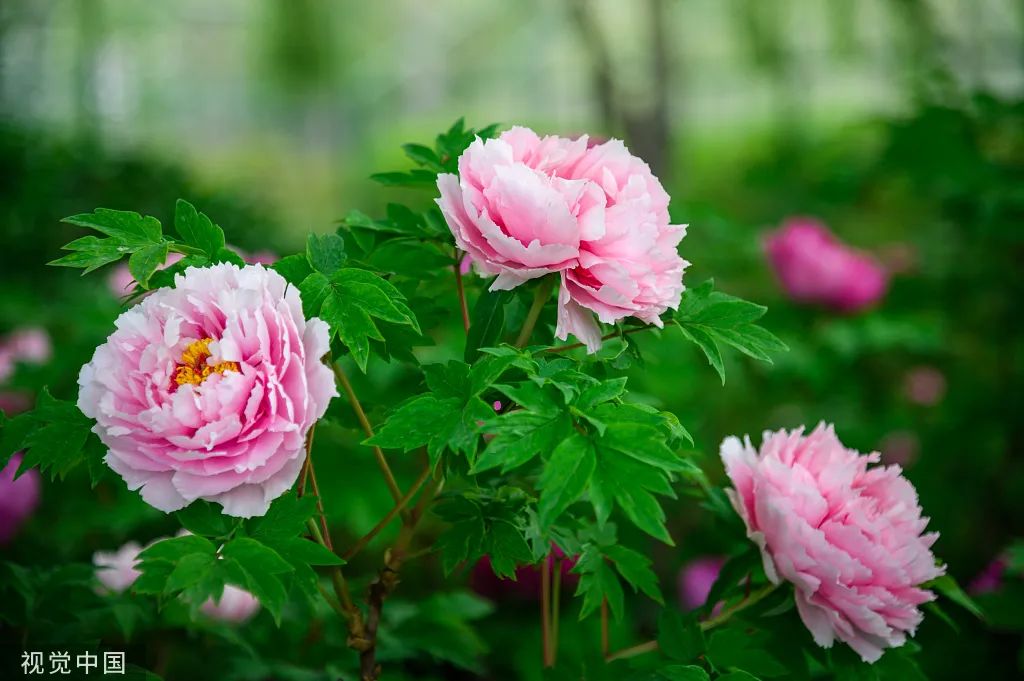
{"points": [[540, 297], [556, 603], [648, 647], [398, 508], [338, 579], [301, 488], [721, 618], [462, 292], [319, 503], [545, 612], [604, 627], [607, 336], [389, 477], [385, 582]]}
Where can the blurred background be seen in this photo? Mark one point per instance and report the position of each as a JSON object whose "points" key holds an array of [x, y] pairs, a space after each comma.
{"points": [[896, 125]]}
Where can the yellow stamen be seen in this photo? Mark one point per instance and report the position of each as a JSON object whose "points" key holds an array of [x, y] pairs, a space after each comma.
{"points": [[193, 368]]}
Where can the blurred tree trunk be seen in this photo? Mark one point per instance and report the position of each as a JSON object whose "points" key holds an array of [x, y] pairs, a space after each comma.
{"points": [[89, 29], [647, 127]]}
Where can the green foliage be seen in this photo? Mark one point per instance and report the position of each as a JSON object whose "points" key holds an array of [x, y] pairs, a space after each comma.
{"points": [[448, 416], [602, 564], [56, 437], [349, 300], [485, 523], [268, 556], [709, 318], [442, 158]]}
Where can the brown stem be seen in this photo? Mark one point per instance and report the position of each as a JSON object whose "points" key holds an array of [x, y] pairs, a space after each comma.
{"points": [[556, 605], [648, 647], [386, 520], [301, 488], [545, 612], [357, 407], [462, 294], [385, 583], [319, 503]]}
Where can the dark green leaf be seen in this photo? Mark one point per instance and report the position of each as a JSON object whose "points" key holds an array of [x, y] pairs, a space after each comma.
{"points": [[197, 230], [325, 253]]}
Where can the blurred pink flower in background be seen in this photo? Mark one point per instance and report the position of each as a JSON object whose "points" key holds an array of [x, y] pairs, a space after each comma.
{"points": [[234, 607], [259, 257], [523, 207], [116, 569], [925, 386], [900, 447], [848, 537], [991, 578], [18, 498], [696, 579], [815, 267], [207, 390], [527, 583], [29, 345]]}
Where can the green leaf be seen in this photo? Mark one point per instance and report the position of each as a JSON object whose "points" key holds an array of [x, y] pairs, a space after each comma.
{"points": [[205, 519], [622, 481], [735, 647], [300, 550], [948, 587], [127, 228], [197, 230], [176, 548], [416, 178], [598, 583], [56, 436], [325, 253], [285, 518], [635, 568], [415, 423], [294, 268], [680, 636], [706, 342], [90, 253], [519, 436], [679, 672], [145, 261], [354, 299], [565, 477], [423, 155], [486, 323], [189, 570]]}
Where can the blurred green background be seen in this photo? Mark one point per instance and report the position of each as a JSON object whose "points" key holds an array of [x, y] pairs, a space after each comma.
{"points": [[899, 123]]}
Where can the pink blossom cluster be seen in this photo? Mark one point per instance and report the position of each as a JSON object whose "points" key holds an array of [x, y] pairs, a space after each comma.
{"points": [[815, 267], [849, 537], [524, 207], [207, 390]]}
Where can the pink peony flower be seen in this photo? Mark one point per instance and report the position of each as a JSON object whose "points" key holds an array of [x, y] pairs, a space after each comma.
{"points": [[234, 607], [925, 386], [207, 390], [815, 267], [116, 569], [18, 498], [527, 583], [696, 579], [523, 207], [848, 537]]}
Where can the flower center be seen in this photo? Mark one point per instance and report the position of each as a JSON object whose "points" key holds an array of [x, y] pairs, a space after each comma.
{"points": [[193, 368]]}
